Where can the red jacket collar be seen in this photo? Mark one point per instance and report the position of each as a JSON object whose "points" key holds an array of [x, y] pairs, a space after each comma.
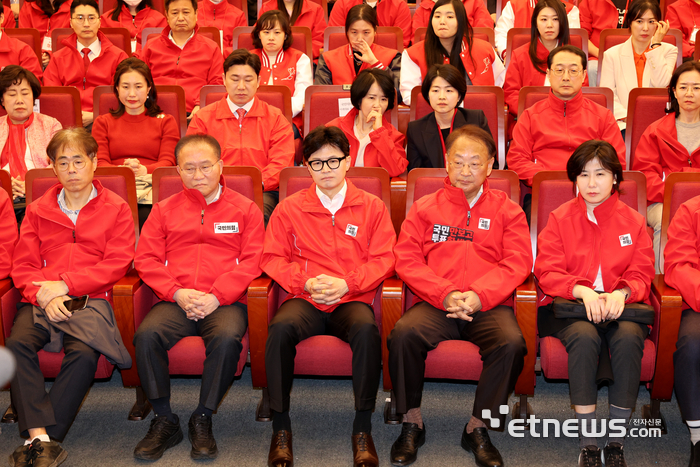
{"points": [[72, 41], [206, 5], [456, 195], [667, 133], [139, 14], [5, 43], [64, 8], [559, 106], [194, 195], [312, 203], [47, 205], [347, 123], [602, 212], [166, 31]]}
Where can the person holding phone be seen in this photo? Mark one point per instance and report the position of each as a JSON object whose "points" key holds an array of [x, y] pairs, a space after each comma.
{"points": [[77, 239]]}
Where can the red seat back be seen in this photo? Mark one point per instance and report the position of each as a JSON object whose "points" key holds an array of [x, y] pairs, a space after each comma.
{"points": [[6, 182], [61, 103], [390, 37], [29, 36], [646, 105], [301, 39], [276, 96], [530, 95], [120, 37], [106, 5], [517, 37], [679, 188]]}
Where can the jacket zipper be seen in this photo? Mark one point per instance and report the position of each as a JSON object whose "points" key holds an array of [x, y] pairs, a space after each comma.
{"points": [[565, 108], [199, 250], [73, 235], [84, 79]]}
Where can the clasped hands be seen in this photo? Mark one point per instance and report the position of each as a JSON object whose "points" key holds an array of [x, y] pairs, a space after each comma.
{"points": [[326, 290], [601, 307], [196, 304], [50, 297], [462, 305]]}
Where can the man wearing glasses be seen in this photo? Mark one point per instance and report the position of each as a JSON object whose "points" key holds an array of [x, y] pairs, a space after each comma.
{"points": [[330, 247], [77, 239], [199, 251], [87, 60], [547, 133]]}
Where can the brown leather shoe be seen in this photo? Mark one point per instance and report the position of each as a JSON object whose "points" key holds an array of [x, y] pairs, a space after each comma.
{"points": [[363, 452], [281, 450]]}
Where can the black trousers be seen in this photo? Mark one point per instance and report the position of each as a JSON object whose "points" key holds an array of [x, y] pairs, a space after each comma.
{"points": [[296, 320], [686, 363], [582, 340], [56, 410], [166, 324], [270, 201], [423, 327]]}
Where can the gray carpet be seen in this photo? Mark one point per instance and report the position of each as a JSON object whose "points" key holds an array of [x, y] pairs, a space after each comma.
{"points": [[322, 412]]}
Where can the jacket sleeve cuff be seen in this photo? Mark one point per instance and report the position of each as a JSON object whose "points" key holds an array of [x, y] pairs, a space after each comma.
{"points": [[220, 297], [483, 298], [65, 278], [574, 282], [378, 133], [443, 295], [171, 292]]}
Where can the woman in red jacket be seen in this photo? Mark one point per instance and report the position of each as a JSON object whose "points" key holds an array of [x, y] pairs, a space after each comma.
{"points": [[450, 39], [374, 142], [134, 15], [341, 65], [595, 248], [282, 64], [45, 15], [671, 144], [301, 13]]}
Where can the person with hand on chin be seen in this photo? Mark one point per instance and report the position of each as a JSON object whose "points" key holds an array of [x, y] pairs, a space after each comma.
{"points": [[462, 250], [596, 248], [331, 285], [199, 251]]}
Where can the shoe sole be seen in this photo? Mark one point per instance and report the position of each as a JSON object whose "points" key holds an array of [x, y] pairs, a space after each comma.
{"points": [[171, 443]]}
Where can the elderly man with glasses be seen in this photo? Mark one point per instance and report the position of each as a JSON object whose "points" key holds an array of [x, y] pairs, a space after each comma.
{"points": [[199, 251], [76, 240], [87, 60]]}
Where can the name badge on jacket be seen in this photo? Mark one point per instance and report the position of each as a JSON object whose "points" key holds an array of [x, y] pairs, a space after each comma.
{"points": [[484, 224], [225, 227], [625, 240], [351, 230]]}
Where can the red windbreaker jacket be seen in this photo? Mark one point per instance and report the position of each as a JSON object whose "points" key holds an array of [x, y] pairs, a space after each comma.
{"points": [[597, 15], [146, 18], [678, 18], [389, 13], [446, 245], [16, 52], [477, 13], [340, 62], [214, 248], [223, 17], [682, 253], [8, 234], [32, 16], [304, 240]]}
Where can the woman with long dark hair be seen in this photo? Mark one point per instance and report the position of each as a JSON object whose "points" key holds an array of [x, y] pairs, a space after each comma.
{"points": [[301, 13], [450, 39], [134, 15]]}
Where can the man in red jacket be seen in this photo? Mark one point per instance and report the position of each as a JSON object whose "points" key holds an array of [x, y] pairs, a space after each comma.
{"points": [[87, 60], [250, 131], [199, 251], [330, 247], [181, 56], [77, 239], [462, 250]]}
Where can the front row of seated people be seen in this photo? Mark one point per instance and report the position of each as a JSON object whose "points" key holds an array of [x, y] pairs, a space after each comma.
{"points": [[78, 238]]}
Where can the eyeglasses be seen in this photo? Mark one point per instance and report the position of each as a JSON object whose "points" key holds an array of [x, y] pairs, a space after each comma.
{"points": [[474, 166], [332, 163], [205, 169], [572, 72], [78, 164], [91, 19]]}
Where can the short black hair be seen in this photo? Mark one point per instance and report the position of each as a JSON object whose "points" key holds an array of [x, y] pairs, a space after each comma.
{"points": [[595, 149], [268, 20], [637, 8], [168, 2], [673, 102], [195, 139], [243, 57], [77, 3], [474, 133], [450, 74], [567, 48], [15, 74], [364, 81], [76, 138], [325, 136]]}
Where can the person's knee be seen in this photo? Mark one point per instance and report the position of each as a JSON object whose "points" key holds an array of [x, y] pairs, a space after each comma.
{"points": [[688, 348], [82, 354], [514, 344], [583, 336], [281, 330], [629, 334], [147, 335], [402, 336], [227, 339]]}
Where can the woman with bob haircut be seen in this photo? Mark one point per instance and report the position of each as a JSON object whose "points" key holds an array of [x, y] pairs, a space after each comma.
{"points": [[301, 13], [282, 64], [138, 113], [671, 144], [24, 134], [343, 64], [642, 61], [444, 89], [374, 142], [450, 39], [134, 15], [596, 248]]}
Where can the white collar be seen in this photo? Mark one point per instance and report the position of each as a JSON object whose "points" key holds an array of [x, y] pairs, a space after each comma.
{"points": [[478, 195], [218, 194], [235, 107], [170, 36], [333, 205], [95, 48]]}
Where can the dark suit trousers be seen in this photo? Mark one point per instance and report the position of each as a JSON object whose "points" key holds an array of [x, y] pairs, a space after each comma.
{"points": [[423, 327], [296, 320], [56, 410], [686, 362], [166, 324]]}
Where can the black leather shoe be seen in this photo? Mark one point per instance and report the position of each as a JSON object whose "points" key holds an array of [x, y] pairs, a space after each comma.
{"points": [[364, 454], [590, 457], [162, 435], [39, 454], [614, 456], [201, 437], [404, 451], [479, 443], [694, 455], [281, 454]]}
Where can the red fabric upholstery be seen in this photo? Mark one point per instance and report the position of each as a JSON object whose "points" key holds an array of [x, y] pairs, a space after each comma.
{"points": [[62, 103], [171, 100], [276, 96], [106, 5], [29, 36], [646, 105], [682, 192], [170, 185], [119, 37], [300, 39]]}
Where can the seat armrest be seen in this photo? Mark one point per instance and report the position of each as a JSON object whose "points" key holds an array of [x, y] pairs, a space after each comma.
{"points": [[262, 305], [526, 314], [5, 319], [393, 307], [123, 298], [667, 321]]}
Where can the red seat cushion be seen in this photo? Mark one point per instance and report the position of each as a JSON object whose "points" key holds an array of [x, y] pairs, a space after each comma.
{"points": [[187, 356], [454, 359], [50, 364], [323, 355]]}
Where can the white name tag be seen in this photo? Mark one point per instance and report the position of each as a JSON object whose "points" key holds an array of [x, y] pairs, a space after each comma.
{"points": [[625, 240], [46, 45], [693, 36], [351, 230], [484, 224], [225, 227], [344, 106]]}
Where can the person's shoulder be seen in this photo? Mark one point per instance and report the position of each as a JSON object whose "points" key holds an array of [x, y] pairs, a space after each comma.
{"points": [[204, 41], [566, 210], [45, 120], [692, 206], [237, 201]]}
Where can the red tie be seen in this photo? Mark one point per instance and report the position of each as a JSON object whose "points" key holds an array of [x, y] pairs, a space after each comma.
{"points": [[241, 114], [86, 59]]}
